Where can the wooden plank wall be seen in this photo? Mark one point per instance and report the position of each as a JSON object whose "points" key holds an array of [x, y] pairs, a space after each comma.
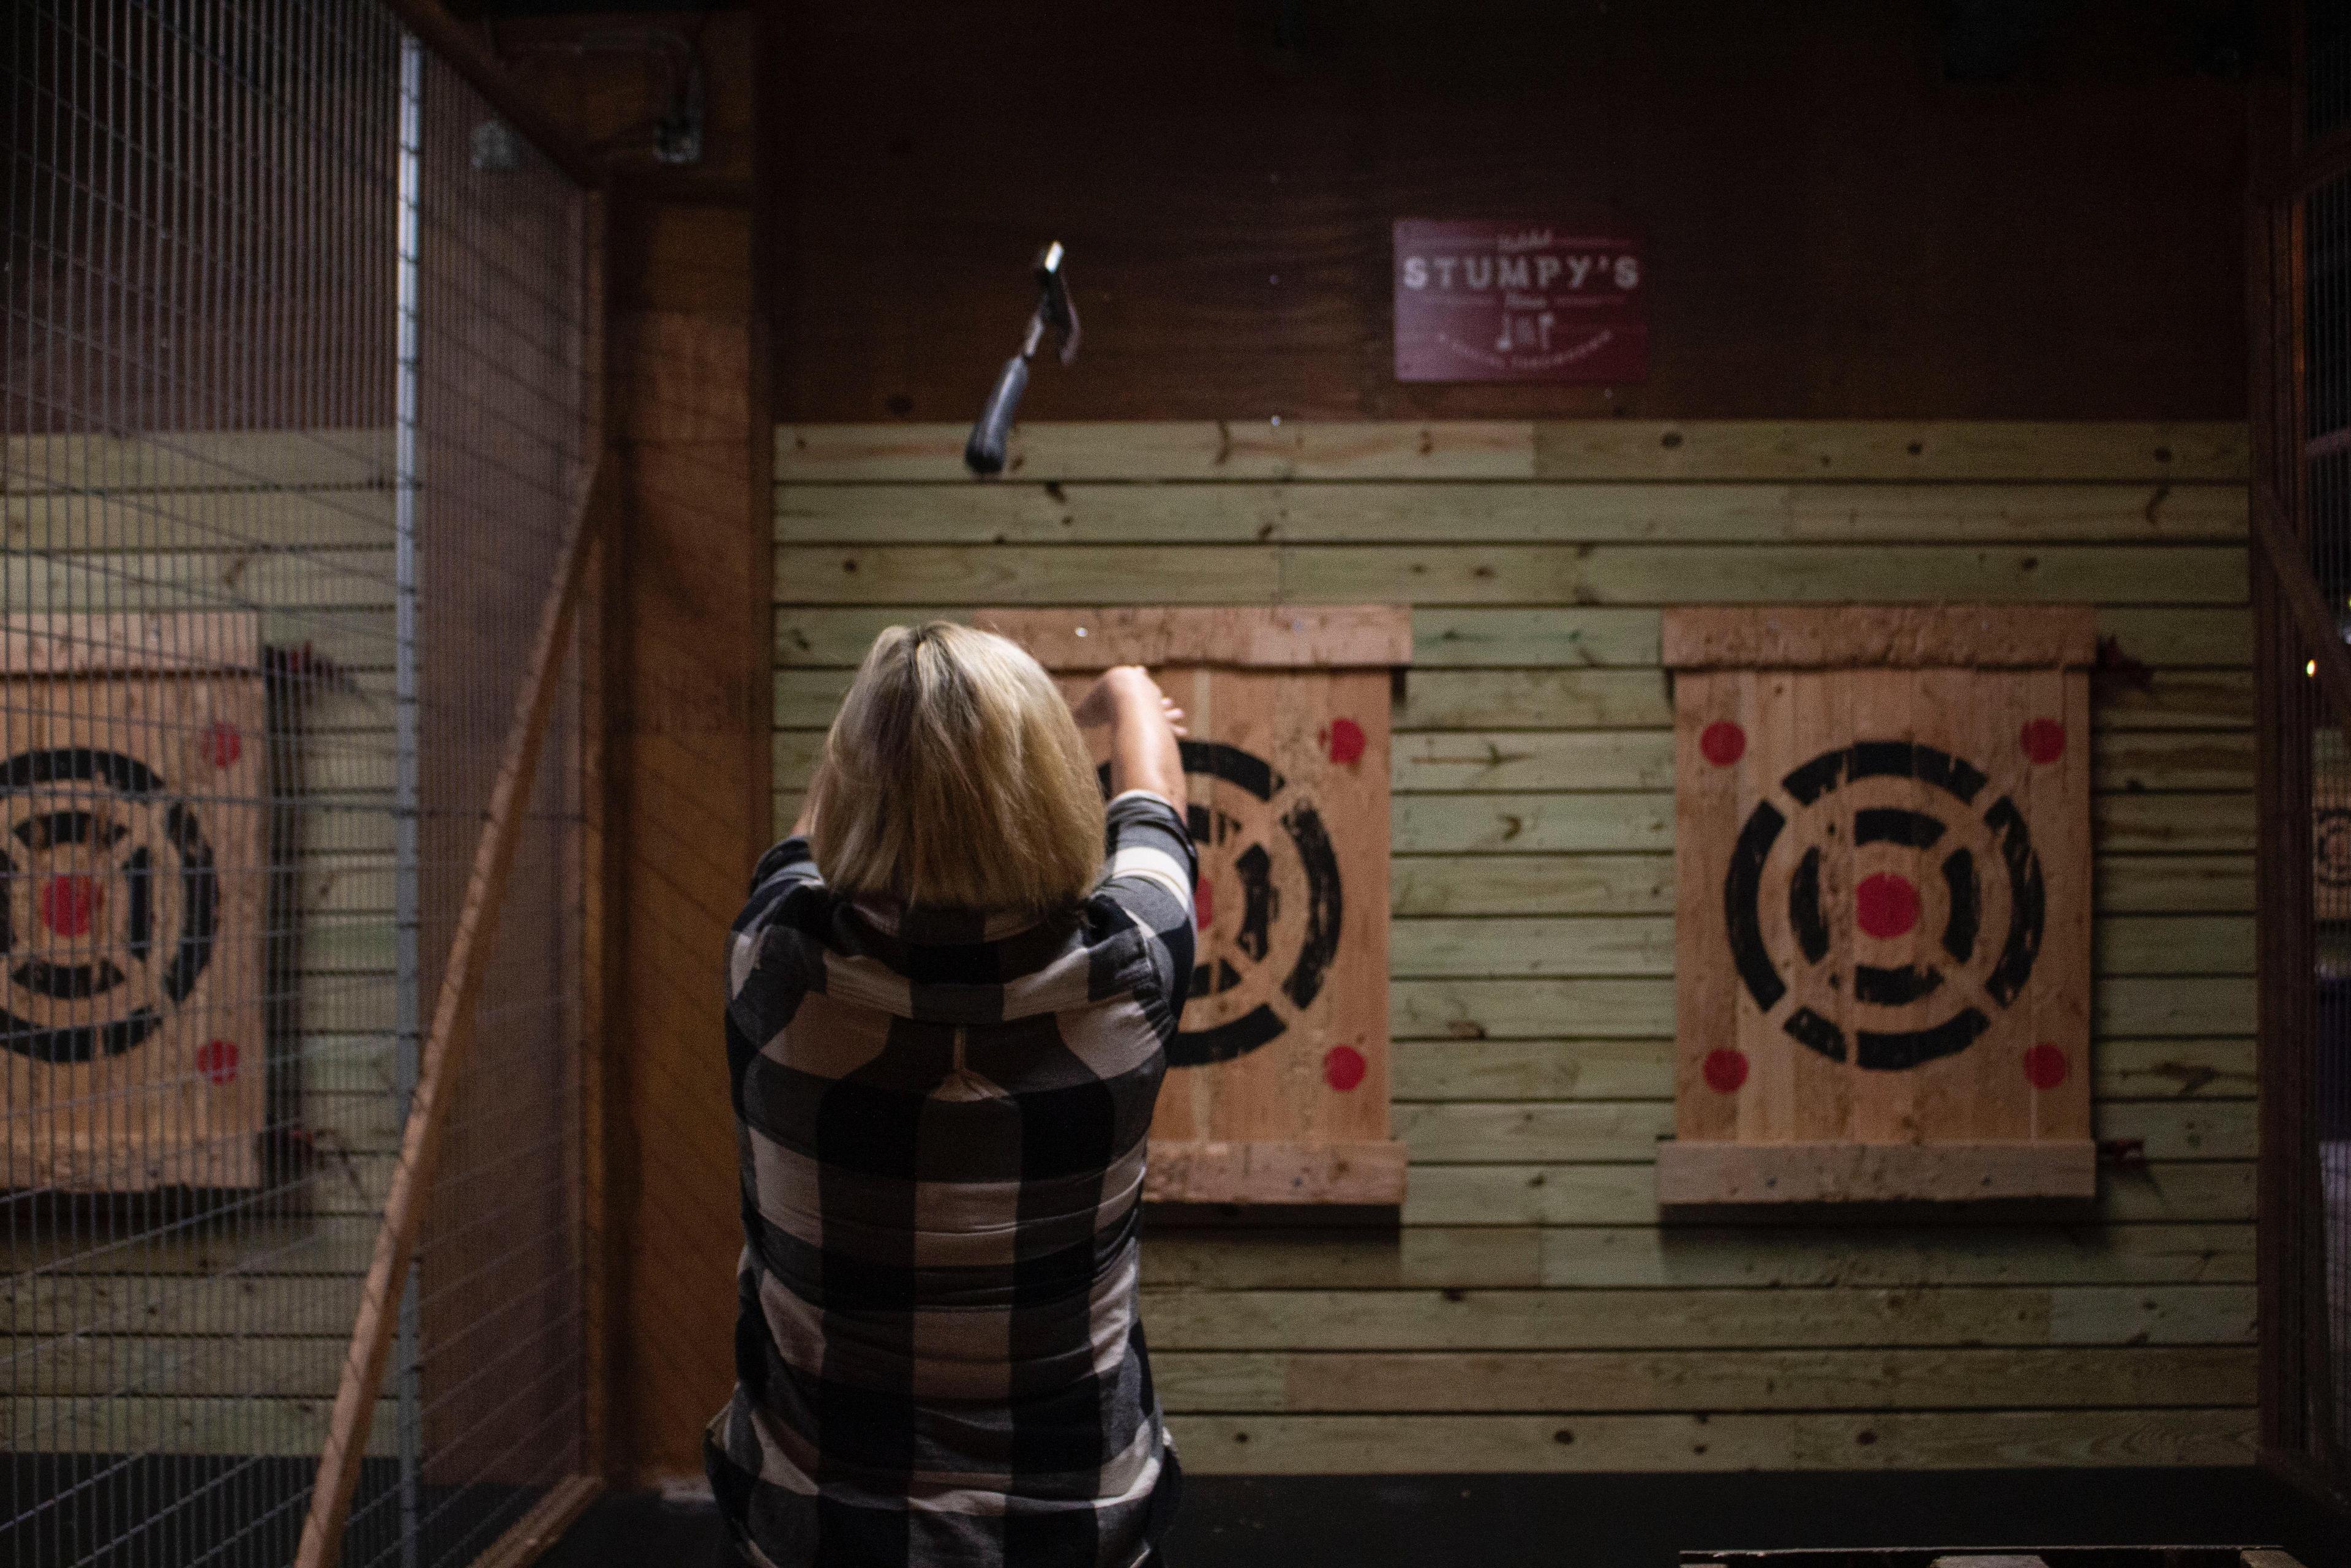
{"points": [[1532, 1313], [226, 1335]]}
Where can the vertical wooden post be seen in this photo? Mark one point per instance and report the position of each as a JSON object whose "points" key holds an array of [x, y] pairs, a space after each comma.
{"points": [[444, 1050]]}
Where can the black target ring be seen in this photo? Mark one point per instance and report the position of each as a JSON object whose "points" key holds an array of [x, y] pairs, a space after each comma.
{"points": [[124, 784], [1318, 923], [1808, 786]]}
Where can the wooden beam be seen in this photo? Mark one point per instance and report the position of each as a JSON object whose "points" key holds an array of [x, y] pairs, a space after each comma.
{"points": [[445, 1044], [466, 55]]}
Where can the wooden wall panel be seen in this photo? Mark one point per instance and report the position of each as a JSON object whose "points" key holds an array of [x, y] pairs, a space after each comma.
{"points": [[1834, 226], [1530, 949], [212, 510], [687, 676]]}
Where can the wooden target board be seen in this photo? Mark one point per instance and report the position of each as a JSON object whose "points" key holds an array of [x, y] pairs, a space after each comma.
{"points": [[132, 856], [1882, 943], [1278, 1084]]}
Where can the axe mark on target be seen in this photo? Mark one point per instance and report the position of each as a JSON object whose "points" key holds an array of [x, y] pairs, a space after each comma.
{"points": [[1888, 905]]}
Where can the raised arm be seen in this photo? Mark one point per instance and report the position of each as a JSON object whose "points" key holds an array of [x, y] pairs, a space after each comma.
{"points": [[1143, 728]]}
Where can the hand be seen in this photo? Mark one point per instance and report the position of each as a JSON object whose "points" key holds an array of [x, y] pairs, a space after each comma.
{"points": [[1126, 690]]}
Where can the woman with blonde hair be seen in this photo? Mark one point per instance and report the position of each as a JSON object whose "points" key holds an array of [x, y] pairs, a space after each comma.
{"points": [[944, 1046]]}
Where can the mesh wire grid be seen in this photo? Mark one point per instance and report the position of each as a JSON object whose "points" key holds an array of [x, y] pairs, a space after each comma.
{"points": [[296, 369]]}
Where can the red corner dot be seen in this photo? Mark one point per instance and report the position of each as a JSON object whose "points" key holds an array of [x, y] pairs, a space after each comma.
{"points": [[1722, 743], [1204, 904], [216, 1059], [1725, 1070], [69, 904], [1343, 1067], [1886, 905], [2043, 740], [2045, 1066], [223, 745], [1345, 740]]}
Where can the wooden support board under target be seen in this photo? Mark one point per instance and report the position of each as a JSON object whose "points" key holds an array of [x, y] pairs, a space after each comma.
{"points": [[1278, 1084], [1882, 943], [133, 858]]}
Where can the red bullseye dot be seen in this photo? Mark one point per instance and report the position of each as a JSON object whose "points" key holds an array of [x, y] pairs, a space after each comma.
{"points": [[1886, 905], [216, 1059], [1345, 741], [2045, 1066], [1725, 1070], [2043, 740], [1722, 743], [69, 904], [223, 745], [1343, 1067], [1204, 904]]}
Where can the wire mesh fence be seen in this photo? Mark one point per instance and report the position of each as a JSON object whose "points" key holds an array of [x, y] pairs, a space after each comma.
{"points": [[298, 365]]}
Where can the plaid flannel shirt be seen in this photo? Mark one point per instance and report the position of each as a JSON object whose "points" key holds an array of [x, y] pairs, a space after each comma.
{"points": [[942, 1120]]}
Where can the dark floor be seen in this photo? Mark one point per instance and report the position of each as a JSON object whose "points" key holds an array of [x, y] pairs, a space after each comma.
{"points": [[1619, 1522]]}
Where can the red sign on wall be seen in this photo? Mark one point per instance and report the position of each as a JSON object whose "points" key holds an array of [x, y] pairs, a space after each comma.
{"points": [[1518, 302]]}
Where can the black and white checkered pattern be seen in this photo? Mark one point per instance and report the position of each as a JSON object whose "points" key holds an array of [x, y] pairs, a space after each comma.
{"points": [[943, 1122]]}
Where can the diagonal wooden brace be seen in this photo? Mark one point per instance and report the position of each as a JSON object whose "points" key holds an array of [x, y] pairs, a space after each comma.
{"points": [[445, 1044]]}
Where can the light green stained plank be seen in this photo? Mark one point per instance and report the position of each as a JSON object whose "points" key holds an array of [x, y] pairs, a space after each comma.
{"points": [[2155, 1069], [1525, 824], [2182, 1129], [1557, 1382], [263, 1425], [43, 1306], [2173, 759], [1534, 699], [1440, 1070], [1630, 821], [1638, 883], [192, 459], [1584, 1132], [1505, 574], [2178, 636], [1697, 1318], [1645, 574], [1943, 450], [310, 580], [242, 1244], [142, 1368], [1627, 1195], [61, 522], [353, 884], [2138, 1005], [1554, 1131], [2140, 761], [1374, 1445], [1472, 1010], [1569, 636], [1595, 449], [1726, 513], [1756, 1257], [1644, 945], [1003, 574], [1579, 884], [1527, 760], [2174, 944], [1232, 450]]}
